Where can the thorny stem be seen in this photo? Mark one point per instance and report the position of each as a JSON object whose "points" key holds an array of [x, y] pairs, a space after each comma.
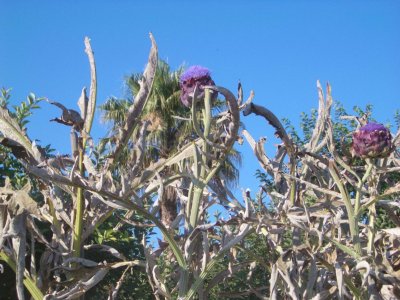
{"points": [[372, 185]]}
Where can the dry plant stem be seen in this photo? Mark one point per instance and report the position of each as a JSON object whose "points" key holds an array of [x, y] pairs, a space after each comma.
{"points": [[273, 120], [282, 134], [28, 281]]}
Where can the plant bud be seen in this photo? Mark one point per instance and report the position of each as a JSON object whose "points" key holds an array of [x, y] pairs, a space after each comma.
{"points": [[195, 75], [372, 141]]}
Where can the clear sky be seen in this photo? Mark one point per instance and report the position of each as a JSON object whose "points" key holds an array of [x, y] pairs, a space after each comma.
{"points": [[277, 48]]}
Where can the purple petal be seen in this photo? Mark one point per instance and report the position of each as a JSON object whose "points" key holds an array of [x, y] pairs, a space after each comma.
{"points": [[195, 72]]}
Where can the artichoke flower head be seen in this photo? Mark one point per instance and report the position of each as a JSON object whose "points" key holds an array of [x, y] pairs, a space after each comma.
{"points": [[372, 141], [195, 75]]}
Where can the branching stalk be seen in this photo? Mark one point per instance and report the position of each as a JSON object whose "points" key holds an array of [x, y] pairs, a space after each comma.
{"points": [[353, 220], [361, 182], [198, 190], [85, 132]]}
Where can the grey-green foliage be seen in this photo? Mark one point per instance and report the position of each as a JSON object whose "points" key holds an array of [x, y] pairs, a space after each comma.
{"points": [[342, 129], [83, 193], [308, 244], [57, 211], [327, 173], [126, 240]]}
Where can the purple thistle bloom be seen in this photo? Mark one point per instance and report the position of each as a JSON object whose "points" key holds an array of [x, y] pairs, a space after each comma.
{"points": [[372, 141], [195, 75]]}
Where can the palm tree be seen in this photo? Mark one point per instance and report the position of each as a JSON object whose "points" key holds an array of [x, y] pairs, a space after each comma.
{"points": [[167, 131]]}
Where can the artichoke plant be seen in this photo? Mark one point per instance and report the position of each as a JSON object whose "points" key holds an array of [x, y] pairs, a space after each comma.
{"points": [[313, 243]]}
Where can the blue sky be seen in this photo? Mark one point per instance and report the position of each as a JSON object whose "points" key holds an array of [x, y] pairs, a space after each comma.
{"points": [[277, 48]]}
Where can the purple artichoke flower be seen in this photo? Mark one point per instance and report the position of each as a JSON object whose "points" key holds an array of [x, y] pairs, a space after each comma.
{"points": [[372, 141], [195, 75]]}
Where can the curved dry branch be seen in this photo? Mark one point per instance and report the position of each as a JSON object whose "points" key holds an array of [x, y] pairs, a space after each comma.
{"points": [[273, 121]]}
